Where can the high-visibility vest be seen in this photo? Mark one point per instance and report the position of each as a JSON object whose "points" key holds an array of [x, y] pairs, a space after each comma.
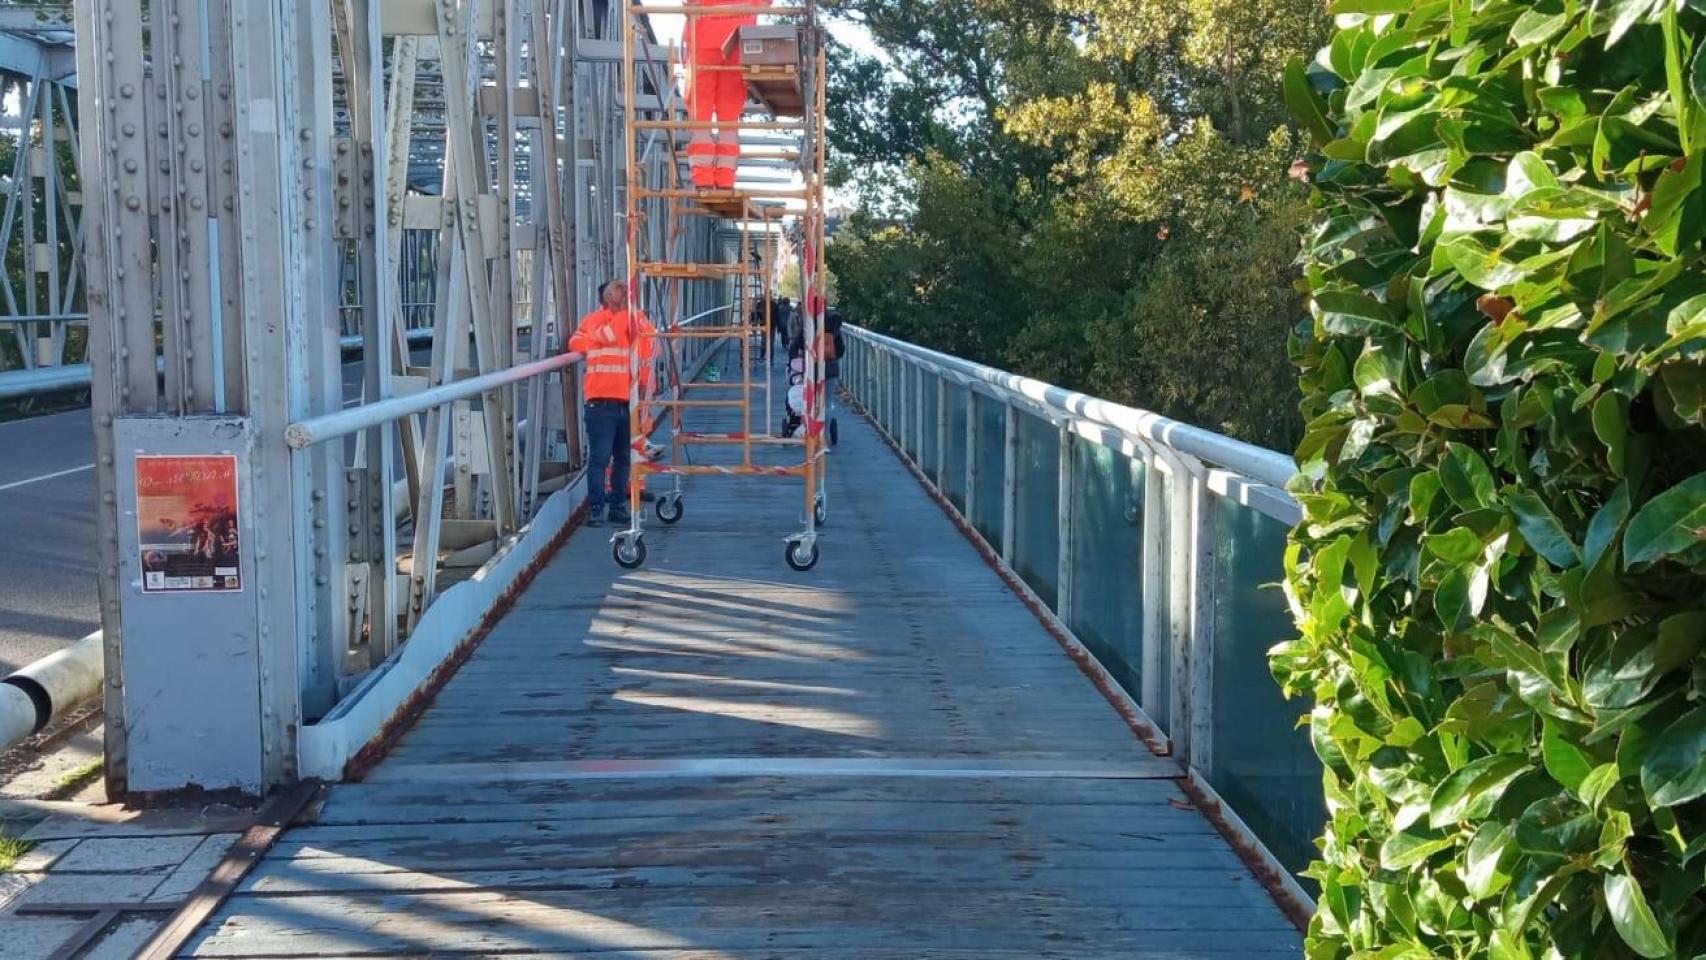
{"points": [[603, 337]]}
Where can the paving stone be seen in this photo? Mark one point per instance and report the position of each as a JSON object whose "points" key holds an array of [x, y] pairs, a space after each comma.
{"points": [[35, 938], [43, 856], [108, 822], [122, 940], [14, 884], [193, 871], [50, 773], [57, 888], [129, 854]]}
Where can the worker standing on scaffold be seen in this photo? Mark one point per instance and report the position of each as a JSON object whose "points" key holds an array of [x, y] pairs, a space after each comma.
{"points": [[718, 95], [608, 337]]}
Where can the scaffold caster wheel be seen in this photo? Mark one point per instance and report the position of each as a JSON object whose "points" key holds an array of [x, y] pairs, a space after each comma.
{"points": [[820, 513], [629, 552], [669, 508], [802, 557]]}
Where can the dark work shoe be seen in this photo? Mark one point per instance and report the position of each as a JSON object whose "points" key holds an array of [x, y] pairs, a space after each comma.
{"points": [[595, 516], [620, 515]]}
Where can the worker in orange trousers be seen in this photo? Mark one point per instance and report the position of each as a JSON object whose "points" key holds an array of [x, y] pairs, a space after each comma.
{"points": [[718, 95]]}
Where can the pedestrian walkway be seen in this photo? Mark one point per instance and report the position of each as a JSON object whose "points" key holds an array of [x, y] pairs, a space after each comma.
{"points": [[717, 757]]}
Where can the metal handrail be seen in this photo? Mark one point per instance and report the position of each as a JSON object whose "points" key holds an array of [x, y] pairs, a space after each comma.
{"points": [[56, 378], [1186, 557], [1258, 463], [331, 426]]}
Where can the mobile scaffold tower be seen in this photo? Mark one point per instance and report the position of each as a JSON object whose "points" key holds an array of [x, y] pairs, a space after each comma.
{"points": [[783, 65]]}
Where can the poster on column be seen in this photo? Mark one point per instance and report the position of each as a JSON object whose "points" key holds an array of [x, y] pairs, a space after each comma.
{"points": [[186, 517]]}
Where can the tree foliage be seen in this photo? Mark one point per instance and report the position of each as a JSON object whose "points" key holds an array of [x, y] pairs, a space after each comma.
{"points": [[1089, 191], [1500, 580]]}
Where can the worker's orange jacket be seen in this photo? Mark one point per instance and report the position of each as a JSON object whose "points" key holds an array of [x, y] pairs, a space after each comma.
{"points": [[711, 33], [608, 340]]}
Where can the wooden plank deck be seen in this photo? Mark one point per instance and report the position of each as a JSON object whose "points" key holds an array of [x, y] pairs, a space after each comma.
{"points": [[885, 758]]}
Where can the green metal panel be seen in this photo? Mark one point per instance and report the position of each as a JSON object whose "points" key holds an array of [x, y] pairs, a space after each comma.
{"points": [[906, 423], [988, 510], [897, 394], [1107, 560], [1036, 533], [1263, 764], [954, 452], [928, 456]]}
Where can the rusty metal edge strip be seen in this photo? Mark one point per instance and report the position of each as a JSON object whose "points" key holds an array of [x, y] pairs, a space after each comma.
{"points": [[272, 820], [1255, 856], [49, 909], [1280, 884], [86, 934], [403, 720]]}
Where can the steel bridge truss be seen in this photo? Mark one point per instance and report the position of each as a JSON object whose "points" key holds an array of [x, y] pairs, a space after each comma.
{"points": [[42, 318], [280, 180]]}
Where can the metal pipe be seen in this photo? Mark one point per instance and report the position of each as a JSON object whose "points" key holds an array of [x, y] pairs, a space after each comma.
{"points": [[17, 715], [355, 419], [1266, 466], [16, 384], [306, 433], [46, 318], [51, 686]]}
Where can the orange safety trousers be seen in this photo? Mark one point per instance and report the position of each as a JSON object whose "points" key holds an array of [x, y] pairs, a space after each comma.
{"points": [[715, 95]]}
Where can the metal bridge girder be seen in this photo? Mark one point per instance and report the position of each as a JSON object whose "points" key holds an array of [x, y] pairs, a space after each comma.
{"points": [[301, 176]]}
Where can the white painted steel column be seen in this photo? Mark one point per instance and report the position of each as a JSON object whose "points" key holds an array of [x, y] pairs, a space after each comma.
{"points": [[1180, 564], [364, 182], [1155, 589], [1201, 696], [119, 279]]}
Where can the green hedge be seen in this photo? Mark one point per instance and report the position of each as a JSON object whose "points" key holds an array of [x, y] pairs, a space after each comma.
{"points": [[1500, 579]]}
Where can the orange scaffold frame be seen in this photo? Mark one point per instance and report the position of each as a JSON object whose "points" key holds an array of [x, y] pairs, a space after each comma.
{"points": [[656, 279]]}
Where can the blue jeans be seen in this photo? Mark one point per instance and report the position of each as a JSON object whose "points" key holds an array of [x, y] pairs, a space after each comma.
{"points": [[607, 440]]}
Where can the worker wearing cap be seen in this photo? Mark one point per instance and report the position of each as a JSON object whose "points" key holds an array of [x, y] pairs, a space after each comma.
{"points": [[609, 337], [718, 95]]}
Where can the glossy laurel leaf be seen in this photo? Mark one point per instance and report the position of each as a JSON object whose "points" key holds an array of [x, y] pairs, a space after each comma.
{"points": [[1513, 215]]}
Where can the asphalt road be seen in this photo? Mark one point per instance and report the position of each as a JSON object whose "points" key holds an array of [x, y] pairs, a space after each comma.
{"points": [[47, 530], [47, 535]]}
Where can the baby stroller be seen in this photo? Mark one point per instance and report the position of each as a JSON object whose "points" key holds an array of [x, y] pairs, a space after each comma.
{"points": [[794, 406], [793, 412]]}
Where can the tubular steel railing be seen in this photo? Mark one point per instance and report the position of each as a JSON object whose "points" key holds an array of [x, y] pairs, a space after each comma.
{"points": [[1154, 544]]}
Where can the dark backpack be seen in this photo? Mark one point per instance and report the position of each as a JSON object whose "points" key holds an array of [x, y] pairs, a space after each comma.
{"points": [[796, 327]]}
